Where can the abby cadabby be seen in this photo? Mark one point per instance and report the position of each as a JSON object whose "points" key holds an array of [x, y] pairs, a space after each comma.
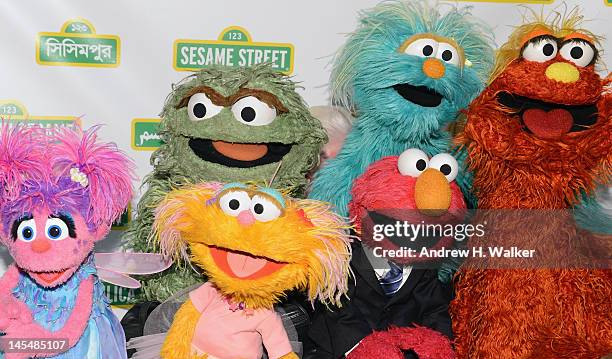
{"points": [[60, 195]]}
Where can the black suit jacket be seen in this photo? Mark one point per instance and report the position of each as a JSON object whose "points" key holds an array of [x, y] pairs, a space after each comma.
{"points": [[422, 300]]}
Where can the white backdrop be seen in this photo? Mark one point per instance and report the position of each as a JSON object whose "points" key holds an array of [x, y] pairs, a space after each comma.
{"points": [[147, 29]]}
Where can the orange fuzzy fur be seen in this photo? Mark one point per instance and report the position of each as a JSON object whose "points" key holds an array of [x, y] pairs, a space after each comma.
{"points": [[535, 313]]}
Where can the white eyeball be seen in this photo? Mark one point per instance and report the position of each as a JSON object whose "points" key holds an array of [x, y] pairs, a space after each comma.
{"points": [[234, 202], [422, 47], [56, 229], [448, 53], [579, 52], [446, 164], [264, 210], [253, 112], [26, 231], [200, 107], [412, 162], [540, 49]]}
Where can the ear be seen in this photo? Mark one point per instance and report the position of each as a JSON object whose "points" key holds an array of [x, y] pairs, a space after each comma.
{"points": [[329, 269], [172, 217], [101, 168]]}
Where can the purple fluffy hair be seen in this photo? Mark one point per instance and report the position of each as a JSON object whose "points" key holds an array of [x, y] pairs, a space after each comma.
{"points": [[44, 179]]}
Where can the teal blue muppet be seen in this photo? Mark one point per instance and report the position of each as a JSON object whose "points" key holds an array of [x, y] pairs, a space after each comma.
{"points": [[406, 72]]}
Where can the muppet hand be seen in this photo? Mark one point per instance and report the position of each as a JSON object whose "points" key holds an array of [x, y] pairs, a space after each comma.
{"points": [[13, 312], [72, 330]]}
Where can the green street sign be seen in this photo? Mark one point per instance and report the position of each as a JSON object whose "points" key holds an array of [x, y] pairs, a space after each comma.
{"points": [[120, 296], [15, 112], [233, 48], [145, 135], [123, 220], [77, 44]]}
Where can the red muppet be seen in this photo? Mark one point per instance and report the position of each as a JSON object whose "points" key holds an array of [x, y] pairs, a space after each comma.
{"points": [[539, 137]]}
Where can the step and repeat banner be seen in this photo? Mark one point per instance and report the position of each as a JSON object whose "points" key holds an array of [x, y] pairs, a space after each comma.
{"points": [[81, 63]]}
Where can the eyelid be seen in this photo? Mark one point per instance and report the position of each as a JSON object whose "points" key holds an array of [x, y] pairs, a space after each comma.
{"points": [[17, 222], [215, 97]]}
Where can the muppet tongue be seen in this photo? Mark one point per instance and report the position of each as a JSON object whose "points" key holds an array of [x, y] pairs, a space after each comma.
{"points": [[548, 125], [244, 266]]}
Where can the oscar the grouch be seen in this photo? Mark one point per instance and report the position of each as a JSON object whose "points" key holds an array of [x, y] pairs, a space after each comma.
{"points": [[226, 125]]}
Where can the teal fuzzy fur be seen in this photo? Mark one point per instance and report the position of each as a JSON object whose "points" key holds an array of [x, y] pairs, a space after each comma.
{"points": [[369, 65]]}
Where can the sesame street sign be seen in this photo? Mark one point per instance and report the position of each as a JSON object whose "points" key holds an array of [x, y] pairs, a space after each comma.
{"points": [[77, 44], [234, 48], [14, 111], [145, 135]]}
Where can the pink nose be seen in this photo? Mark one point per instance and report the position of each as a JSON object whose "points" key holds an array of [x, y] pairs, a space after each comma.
{"points": [[246, 218]]}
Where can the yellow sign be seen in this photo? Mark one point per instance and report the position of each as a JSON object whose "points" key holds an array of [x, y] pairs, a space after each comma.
{"points": [[77, 44], [13, 111], [234, 48]]}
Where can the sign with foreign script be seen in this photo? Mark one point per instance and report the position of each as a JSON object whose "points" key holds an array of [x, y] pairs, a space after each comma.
{"points": [[235, 48], [145, 136], [77, 44], [123, 220], [14, 111]]}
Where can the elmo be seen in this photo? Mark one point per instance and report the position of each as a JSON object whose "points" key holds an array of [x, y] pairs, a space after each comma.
{"points": [[396, 305], [539, 138]]}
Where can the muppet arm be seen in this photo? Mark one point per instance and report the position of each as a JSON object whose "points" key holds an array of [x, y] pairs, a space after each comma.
{"points": [[72, 330], [178, 341], [9, 280], [275, 338]]}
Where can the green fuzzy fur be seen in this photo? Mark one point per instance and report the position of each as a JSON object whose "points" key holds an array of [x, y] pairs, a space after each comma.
{"points": [[174, 164]]}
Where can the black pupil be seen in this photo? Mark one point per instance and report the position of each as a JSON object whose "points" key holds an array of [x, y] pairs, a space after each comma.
{"points": [[446, 169], [27, 233], [548, 49], [427, 50], [258, 208], [54, 231], [447, 55], [247, 114], [421, 164], [199, 110], [576, 52], [234, 204]]}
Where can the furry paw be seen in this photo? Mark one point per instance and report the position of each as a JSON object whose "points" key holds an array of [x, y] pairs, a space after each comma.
{"points": [[13, 312], [391, 344]]}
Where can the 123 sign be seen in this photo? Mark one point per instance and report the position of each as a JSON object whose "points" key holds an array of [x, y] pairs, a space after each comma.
{"points": [[77, 44]]}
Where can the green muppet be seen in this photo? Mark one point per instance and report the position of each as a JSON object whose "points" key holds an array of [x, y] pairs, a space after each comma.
{"points": [[226, 124]]}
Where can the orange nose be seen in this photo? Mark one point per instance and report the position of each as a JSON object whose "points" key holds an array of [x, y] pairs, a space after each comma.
{"points": [[432, 193], [41, 245], [434, 68]]}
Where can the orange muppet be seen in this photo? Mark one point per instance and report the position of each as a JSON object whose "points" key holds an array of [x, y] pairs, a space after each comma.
{"points": [[539, 138]]}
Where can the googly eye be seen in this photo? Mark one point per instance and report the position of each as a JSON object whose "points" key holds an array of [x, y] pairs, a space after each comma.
{"points": [[579, 52], [200, 107], [253, 112], [56, 229], [264, 209], [412, 162], [26, 231], [448, 54], [424, 47], [446, 164], [234, 202], [540, 49]]}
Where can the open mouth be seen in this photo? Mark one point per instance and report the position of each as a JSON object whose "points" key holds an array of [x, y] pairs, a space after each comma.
{"points": [[242, 265], [48, 277], [420, 95], [549, 120], [241, 155]]}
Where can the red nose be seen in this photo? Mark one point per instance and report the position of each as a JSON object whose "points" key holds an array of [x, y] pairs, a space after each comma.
{"points": [[41, 245]]}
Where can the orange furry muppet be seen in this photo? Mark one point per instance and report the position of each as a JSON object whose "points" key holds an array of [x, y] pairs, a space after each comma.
{"points": [[538, 138], [254, 245]]}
